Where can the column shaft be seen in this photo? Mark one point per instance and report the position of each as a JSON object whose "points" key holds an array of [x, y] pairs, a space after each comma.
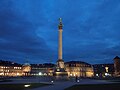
{"points": [[60, 45]]}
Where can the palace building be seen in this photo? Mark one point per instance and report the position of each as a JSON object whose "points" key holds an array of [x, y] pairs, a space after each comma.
{"points": [[26, 69], [72, 68], [79, 68], [45, 69], [8, 68]]}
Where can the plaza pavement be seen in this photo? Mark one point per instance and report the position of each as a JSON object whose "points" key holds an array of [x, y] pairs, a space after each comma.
{"points": [[57, 85], [62, 85]]}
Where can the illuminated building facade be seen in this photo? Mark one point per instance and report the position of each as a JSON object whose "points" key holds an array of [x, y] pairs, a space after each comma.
{"points": [[8, 68], [72, 68], [117, 66], [26, 69], [42, 69], [79, 68], [103, 70]]}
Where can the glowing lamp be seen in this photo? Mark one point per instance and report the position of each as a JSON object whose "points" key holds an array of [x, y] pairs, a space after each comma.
{"points": [[40, 73], [51, 81], [26, 85], [78, 81]]}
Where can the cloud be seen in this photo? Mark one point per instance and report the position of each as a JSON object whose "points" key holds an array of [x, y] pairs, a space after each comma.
{"points": [[18, 37], [30, 29]]}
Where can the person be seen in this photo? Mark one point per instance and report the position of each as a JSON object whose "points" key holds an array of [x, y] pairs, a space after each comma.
{"points": [[76, 78]]}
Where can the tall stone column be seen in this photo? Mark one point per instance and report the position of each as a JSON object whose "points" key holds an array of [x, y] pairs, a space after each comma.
{"points": [[60, 62], [60, 69], [60, 40]]}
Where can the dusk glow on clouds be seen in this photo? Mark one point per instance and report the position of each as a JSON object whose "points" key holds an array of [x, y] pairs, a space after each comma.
{"points": [[29, 29]]}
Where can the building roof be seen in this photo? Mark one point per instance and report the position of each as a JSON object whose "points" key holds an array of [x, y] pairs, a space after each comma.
{"points": [[45, 65], [103, 65], [26, 64], [117, 57], [9, 63], [77, 62]]}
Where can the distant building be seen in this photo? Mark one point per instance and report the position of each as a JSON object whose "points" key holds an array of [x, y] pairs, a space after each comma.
{"points": [[79, 68], [46, 69], [103, 70], [72, 68], [26, 69], [117, 66], [8, 68]]}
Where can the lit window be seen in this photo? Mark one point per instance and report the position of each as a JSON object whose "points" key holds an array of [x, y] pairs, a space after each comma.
{"points": [[1, 73]]}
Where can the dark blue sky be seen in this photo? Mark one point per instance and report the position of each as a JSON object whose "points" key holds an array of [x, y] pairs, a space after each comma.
{"points": [[29, 28]]}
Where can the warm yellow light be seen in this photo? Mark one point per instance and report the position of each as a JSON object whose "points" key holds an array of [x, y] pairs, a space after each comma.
{"points": [[91, 73], [17, 73], [74, 74], [106, 68], [1, 73]]}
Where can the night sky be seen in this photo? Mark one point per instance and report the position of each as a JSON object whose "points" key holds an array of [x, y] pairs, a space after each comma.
{"points": [[29, 30]]}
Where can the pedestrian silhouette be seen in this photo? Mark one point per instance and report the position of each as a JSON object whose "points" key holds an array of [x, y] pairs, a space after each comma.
{"points": [[76, 78]]}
